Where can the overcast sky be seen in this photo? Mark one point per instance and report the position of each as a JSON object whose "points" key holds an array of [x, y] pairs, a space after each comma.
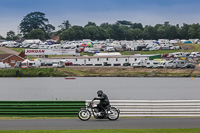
{"points": [[79, 12]]}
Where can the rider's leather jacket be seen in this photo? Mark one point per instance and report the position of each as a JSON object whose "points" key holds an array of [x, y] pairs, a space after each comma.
{"points": [[103, 99]]}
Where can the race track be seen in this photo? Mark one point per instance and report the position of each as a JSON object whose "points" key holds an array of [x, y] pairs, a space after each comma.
{"points": [[122, 123]]}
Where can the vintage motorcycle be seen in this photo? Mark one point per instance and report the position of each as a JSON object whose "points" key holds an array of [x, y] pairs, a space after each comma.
{"points": [[110, 113]]}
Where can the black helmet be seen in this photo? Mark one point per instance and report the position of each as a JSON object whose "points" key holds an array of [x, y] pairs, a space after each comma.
{"points": [[99, 92]]}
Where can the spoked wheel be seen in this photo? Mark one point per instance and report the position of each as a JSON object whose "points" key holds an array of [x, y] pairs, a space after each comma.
{"points": [[84, 115], [114, 114]]}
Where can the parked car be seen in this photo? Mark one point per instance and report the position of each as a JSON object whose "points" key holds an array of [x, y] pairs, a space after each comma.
{"points": [[189, 65], [58, 64], [26, 45], [68, 63], [145, 49], [17, 64], [34, 46]]}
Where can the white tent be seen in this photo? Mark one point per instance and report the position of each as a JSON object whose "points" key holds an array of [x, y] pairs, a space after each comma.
{"points": [[107, 54]]}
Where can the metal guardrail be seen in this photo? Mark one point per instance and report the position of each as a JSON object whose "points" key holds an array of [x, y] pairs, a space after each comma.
{"points": [[159, 108], [128, 108], [41, 108]]}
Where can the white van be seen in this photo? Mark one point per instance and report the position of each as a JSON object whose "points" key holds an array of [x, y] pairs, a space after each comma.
{"points": [[28, 63], [162, 64], [152, 64], [169, 64], [138, 64], [195, 54], [178, 63]]}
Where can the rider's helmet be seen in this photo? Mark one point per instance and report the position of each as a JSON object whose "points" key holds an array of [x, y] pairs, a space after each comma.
{"points": [[99, 93]]}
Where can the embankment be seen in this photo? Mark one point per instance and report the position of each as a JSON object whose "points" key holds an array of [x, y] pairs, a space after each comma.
{"points": [[99, 72]]}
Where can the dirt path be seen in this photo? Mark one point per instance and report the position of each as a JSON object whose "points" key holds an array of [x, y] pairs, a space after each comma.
{"points": [[8, 51]]}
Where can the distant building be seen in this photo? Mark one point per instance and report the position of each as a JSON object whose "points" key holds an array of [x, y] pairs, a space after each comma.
{"points": [[10, 59], [115, 60]]}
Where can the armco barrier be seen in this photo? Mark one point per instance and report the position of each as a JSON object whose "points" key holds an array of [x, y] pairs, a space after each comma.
{"points": [[159, 108], [40, 108], [134, 108]]}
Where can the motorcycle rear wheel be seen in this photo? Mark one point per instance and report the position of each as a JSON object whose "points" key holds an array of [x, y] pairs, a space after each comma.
{"points": [[84, 115], [114, 115]]}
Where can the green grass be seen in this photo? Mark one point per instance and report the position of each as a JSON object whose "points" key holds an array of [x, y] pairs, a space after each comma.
{"points": [[19, 50], [89, 54], [160, 51], [30, 72], [2, 52], [197, 130], [64, 72]]}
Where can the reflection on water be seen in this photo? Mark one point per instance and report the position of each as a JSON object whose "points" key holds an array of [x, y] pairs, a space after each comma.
{"points": [[85, 88]]}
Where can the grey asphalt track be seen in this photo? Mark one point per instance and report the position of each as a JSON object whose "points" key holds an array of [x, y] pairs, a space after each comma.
{"points": [[122, 123]]}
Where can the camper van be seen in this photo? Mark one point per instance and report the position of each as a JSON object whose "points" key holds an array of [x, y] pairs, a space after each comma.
{"points": [[178, 54], [110, 49], [178, 63], [195, 54], [162, 64], [138, 64], [152, 64], [4, 65], [169, 64], [61, 63], [29, 63]]}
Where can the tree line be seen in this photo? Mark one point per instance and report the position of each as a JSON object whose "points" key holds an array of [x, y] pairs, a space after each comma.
{"points": [[36, 26]]}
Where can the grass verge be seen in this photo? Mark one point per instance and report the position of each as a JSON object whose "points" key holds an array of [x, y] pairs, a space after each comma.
{"points": [[98, 72], [30, 72], [196, 130]]}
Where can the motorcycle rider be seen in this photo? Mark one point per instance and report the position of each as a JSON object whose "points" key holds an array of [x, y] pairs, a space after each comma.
{"points": [[104, 101]]}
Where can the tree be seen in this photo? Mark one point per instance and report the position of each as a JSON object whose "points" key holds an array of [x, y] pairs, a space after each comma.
{"points": [[65, 25], [1, 37], [183, 31], [10, 35], [150, 32], [73, 33], [35, 20], [36, 34], [161, 32], [92, 32], [90, 24], [135, 34], [193, 31], [137, 25], [48, 29], [125, 23]]}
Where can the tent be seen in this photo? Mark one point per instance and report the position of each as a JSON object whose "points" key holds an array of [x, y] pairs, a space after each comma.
{"points": [[187, 42], [89, 44], [156, 42], [85, 45]]}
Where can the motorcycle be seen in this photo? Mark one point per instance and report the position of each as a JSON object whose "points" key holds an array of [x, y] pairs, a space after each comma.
{"points": [[110, 113]]}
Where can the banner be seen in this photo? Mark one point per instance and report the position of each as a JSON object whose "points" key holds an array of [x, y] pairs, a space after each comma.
{"points": [[51, 52]]}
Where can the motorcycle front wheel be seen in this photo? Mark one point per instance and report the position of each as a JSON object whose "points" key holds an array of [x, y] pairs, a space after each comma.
{"points": [[114, 114], [84, 115]]}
